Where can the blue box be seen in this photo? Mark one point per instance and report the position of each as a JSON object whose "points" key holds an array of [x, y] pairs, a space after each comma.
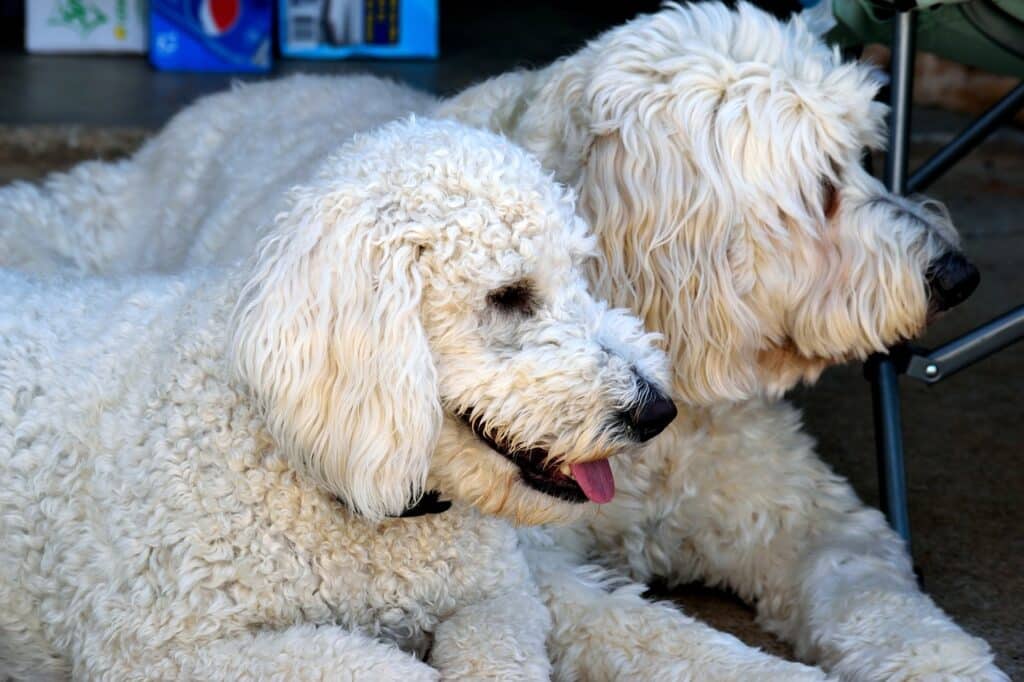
{"points": [[211, 35], [336, 29]]}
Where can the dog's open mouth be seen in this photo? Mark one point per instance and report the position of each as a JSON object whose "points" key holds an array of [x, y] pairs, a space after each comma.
{"points": [[578, 482]]}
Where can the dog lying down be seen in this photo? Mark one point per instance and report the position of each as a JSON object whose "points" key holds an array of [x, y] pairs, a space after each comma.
{"points": [[199, 469]]}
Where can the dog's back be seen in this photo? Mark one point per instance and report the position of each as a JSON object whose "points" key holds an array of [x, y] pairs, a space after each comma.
{"points": [[224, 161]]}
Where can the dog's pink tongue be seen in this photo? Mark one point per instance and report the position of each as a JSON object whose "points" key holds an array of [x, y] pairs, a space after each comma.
{"points": [[596, 480]]}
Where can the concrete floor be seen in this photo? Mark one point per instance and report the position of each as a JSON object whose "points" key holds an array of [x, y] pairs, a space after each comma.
{"points": [[963, 437]]}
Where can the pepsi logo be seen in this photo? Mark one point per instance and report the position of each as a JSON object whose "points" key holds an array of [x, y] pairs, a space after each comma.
{"points": [[219, 16]]}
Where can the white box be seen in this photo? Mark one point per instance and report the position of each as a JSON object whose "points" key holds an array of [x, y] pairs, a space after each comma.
{"points": [[86, 25]]}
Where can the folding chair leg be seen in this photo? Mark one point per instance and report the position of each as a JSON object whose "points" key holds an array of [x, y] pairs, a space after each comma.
{"points": [[881, 370], [892, 482], [901, 87]]}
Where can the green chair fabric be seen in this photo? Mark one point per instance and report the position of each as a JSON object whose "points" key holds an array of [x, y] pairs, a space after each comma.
{"points": [[988, 34]]}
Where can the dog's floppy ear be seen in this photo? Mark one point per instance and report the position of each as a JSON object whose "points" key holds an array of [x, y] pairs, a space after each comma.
{"points": [[673, 251], [329, 339]]}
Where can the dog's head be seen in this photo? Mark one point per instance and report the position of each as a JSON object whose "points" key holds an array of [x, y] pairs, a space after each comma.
{"points": [[721, 169], [425, 294]]}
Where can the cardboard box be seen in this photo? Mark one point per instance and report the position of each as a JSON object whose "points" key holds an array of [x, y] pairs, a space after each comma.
{"points": [[86, 25], [335, 29], [211, 35]]}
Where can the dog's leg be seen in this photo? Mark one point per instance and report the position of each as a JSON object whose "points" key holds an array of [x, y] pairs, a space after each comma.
{"points": [[300, 652], [500, 638], [739, 497], [605, 630]]}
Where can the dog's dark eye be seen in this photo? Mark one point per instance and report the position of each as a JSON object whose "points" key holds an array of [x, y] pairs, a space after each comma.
{"points": [[829, 198], [514, 298]]}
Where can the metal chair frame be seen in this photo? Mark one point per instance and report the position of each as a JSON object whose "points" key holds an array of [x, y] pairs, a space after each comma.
{"points": [[932, 366]]}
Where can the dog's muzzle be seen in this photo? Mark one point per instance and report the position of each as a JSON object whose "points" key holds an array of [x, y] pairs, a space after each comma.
{"points": [[951, 279]]}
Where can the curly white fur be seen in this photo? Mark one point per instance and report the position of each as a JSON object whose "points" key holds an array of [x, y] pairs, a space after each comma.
{"points": [[703, 143], [165, 516]]}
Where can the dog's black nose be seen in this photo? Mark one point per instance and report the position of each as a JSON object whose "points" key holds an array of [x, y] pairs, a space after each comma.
{"points": [[651, 416], [951, 279]]}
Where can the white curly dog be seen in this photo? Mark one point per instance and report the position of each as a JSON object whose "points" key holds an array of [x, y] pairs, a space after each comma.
{"points": [[165, 517], [716, 154]]}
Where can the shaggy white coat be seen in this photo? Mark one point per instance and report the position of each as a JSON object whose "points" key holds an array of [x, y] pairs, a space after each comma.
{"points": [[191, 494], [716, 154]]}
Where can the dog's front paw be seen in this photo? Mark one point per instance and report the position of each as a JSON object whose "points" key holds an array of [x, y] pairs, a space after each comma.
{"points": [[786, 670], [962, 658], [989, 673], [942, 661], [759, 666]]}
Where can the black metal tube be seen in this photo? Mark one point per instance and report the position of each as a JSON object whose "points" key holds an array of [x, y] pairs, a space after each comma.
{"points": [[880, 370], [901, 87], [965, 141], [975, 345], [892, 483]]}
